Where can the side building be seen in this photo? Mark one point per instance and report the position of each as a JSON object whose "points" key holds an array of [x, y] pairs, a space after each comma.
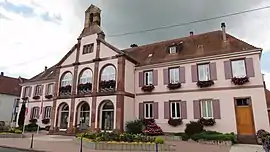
{"points": [[199, 77]]}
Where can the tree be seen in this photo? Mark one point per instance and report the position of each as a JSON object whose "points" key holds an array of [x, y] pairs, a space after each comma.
{"points": [[133, 45], [22, 115]]}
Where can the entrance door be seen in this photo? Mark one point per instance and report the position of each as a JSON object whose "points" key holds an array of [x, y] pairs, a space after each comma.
{"points": [[107, 120], [244, 117], [63, 120]]}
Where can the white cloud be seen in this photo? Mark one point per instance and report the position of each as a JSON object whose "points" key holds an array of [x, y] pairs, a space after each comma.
{"points": [[24, 42], [267, 79]]}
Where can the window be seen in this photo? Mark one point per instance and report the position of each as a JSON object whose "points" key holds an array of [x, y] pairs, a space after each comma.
{"points": [[207, 109], [50, 89], [47, 114], [27, 92], [238, 68], [172, 50], [88, 48], [66, 79], [242, 102], [86, 77], [108, 73], [38, 90], [148, 110], [148, 77], [175, 109], [174, 75], [35, 113], [204, 72]]}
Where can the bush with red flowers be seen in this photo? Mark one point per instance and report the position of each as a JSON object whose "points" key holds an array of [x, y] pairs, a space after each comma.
{"points": [[175, 122], [151, 128], [148, 88], [204, 84], [240, 81], [173, 86]]}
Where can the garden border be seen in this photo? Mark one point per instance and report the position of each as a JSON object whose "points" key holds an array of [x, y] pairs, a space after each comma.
{"points": [[125, 146], [11, 135]]}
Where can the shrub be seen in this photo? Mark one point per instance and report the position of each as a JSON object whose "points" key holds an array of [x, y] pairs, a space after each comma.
{"points": [[193, 128], [185, 137], [159, 140], [17, 131], [134, 127], [211, 135], [22, 115]]}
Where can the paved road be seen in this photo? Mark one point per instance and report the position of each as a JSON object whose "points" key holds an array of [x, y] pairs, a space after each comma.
{"points": [[9, 150]]}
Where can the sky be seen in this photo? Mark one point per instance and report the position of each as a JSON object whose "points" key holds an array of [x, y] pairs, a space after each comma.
{"points": [[38, 33]]}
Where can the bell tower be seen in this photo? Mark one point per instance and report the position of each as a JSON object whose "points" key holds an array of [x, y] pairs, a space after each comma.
{"points": [[92, 22], [92, 16]]}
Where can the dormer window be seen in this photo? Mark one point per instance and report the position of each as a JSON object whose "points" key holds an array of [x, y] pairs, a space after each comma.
{"points": [[150, 55], [172, 50]]}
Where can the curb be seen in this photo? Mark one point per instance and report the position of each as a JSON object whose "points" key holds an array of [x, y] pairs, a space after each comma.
{"points": [[22, 149]]}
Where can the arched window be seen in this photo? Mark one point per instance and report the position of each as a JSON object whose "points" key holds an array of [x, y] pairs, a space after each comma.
{"points": [[66, 83], [66, 79], [91, 17], [108, 73], [86, 77], [107, 79]]}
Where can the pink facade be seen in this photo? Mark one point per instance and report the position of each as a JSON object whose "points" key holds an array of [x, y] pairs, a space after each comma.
{"points": [[125, 100]]}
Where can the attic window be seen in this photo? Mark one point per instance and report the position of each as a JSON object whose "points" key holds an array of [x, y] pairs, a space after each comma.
{"points": [[172, 49]]}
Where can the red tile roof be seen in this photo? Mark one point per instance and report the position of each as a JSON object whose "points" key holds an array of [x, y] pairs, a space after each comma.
{"points": [[10, 86], [211, 43]]}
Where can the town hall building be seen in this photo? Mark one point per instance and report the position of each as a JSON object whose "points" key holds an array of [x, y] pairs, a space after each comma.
{"points": [[201, 76]]}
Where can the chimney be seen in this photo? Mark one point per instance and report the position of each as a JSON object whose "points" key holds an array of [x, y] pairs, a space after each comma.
{"points": [[191, 33], [2, 73], [223, 27], [45, 68]]}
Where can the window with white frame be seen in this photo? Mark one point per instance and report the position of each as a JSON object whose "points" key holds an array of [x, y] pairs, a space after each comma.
{"points": [[148, 77], [172, 50], [204, 72], [174, 75], [50, 89], [238, 68], [207, 109], [148, 110], [47, 114], [175, 109], [27, 92], [35, 113], [38, 90]]}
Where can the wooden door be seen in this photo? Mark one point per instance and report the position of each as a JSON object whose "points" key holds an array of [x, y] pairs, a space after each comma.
{"points": [[244, 117]]}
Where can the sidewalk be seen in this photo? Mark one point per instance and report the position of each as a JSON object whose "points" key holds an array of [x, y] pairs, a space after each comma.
{"points": [[246, 148], [54, 143]]}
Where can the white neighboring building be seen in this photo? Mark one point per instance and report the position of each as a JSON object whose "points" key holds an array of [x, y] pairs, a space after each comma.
{"points": [[9, 98]]}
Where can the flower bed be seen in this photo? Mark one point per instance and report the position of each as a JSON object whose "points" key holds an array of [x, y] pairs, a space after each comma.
{"points": [[148, 88], [123, 142], [175, 122], [151, 128], [207, 122], [263, 137], [49, 96]]}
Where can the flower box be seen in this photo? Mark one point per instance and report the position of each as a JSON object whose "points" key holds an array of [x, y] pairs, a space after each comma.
{"points": [[173, 86], [46, 121], [240, 81], [36, 97], [65, 90], [204, 84], [207, 122], [25, 98], [49, 96], [84, 88], [175, 122], [148, 88], [107, 86], [33, 121]]}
